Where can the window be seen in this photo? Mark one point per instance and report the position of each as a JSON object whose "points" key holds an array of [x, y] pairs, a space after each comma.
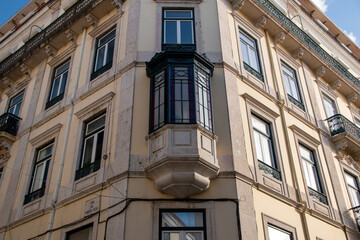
{"points": [[84, 233], [58, 84], [291, 84], [187, 89], [353, 188], [330, 107], [178, 27], [39, 175], [312, 174], [276, 233], [182, 225], [264, 147], [92, 147], [249, 52], [104, 54], [15, 104]]}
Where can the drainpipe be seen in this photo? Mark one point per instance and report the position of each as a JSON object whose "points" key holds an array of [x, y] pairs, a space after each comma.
{"points": [[303, 207], [63, 153]]}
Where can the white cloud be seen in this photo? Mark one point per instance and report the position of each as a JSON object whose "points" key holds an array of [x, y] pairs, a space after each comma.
{"points": [[321, 4], [351, 36]]}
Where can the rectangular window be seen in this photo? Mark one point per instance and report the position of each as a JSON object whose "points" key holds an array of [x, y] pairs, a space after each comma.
{"points": [[178, 27], [264, 147], [15, 104], [249, 52], [92, 147], [104, 54], [276, 233], [58, 84], [182, 225], [39, 175], [292, 86], [312, 174], [353, 188], [84, 233], [330, 107], [203, 98]]}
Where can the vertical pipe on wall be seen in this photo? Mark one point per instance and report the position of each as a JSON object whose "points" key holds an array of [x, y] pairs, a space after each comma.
{"points": [[302, 207], [66, 139]]}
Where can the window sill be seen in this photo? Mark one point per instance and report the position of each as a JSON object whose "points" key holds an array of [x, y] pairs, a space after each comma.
{"points": [[34, 195]]}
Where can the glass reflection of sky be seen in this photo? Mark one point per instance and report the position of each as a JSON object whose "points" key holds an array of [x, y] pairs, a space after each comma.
{"points": [[182, 219]]}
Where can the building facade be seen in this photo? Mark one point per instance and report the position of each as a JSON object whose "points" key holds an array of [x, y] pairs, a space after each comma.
{"points": [[178, 119]]}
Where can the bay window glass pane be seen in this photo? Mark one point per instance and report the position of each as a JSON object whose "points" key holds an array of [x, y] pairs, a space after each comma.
{"points": [[186, 32], [278, 234], [171, 32]]}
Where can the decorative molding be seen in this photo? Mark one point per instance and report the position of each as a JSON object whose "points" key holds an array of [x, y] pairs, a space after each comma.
{"points": [[50, 51], [259, 105], [260, 23], [16, 88], [352, 97], [8, 82], [100, 103], [44, 136], [105, 25], [71, 36], [5, 146], [237, 4], [91, 20], [336, 84], [62, 56], [309, 139], [279, 38], [25, 69], [247, 26], [297, 54], [320, 71], [341, 146]]}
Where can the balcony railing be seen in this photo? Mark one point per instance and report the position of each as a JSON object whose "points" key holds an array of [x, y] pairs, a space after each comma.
{"points": [[340, 124], [306, 39], [9, 123], [269, 170], [34, 195], [356, 211], [86, 170], [54, 29], [318, 196]]}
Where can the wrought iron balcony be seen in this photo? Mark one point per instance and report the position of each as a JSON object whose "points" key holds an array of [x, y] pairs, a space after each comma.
{"points": [[345, 134], [9, 123], [269, 170], [318, 196], [86, 170], [356, 211], [34, 195], [307, 40]]}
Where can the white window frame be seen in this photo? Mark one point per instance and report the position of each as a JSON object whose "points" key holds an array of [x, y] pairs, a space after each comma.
{"points": [[281, 225], [178, 25]]}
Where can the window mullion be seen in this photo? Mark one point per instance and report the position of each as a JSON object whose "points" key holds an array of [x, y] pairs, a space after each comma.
{"points": [[178, 31]]}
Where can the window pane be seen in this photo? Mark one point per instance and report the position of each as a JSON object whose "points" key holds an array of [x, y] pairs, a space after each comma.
{"points": [[178, 14], [89, 143], [247, 40], [15, 104], [106, 38], [99, 145], [170, 32], [186, 32], [254, 60], [259, 125], [258, 146], [110, 52], [330, 108], [38, 177], [95, 125], [278, 234], [62, 69], [266, 145], [55, 89], [244, 52], [194, 236], [44, 153], [171, 236], [182, 219], [100, 58]]}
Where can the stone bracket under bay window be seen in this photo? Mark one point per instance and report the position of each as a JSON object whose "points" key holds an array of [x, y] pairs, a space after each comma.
{"points": [[182, 159]]}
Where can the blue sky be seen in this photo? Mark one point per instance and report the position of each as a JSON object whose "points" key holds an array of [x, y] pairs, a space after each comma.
{"points": [[344, 13]]}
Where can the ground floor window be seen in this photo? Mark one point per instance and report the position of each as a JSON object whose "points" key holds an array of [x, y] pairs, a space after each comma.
{"points": [[83, 233], [182, 225]]}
